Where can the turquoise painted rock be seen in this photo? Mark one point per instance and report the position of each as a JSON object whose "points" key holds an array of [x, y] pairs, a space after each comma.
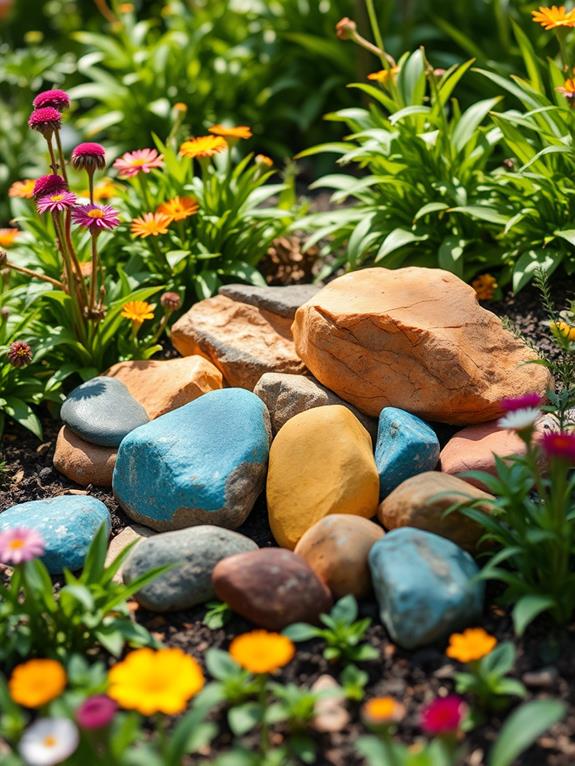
{"points": [[425, 586], [405, 446], [102, 411], [67, 524], [204, 463]]}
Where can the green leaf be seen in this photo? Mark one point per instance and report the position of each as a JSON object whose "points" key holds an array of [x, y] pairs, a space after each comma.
{"points": [[470, 120], [220, 664], [244, 718], [450, 254], [522, 729], [484, 213], [531, 262], [23, 414], [300, 631], [345, 610], [396, 239], [528, 608]]}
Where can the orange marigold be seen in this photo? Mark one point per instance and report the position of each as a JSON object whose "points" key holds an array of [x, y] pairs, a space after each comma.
{"points": [[179, 208], [137, 311], [37, 682], [150, 225], [485, 287], [471, 645], [7, 237], [262, 652], [554, 17], [203, 146], [230, 131], [382, 710], [23, 189]]}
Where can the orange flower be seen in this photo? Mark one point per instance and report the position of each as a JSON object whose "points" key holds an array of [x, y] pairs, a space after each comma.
{"points": [[203, 146], [471, 645], [485, 287], [225, 131], [262, 652], [263, 161], [137, 311], [384, 76], [382, 710], [37, 682], [563, 329], [567, 89], [23, 189], [179, 208], [554, 17], [150, 225], [7, 237]]}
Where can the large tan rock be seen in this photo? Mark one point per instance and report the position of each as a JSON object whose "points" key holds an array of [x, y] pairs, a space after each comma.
{"points": [[243, 341], [83, 462], [417, 339], [321, 462], [422, 502], [336, 548], [163, 385]]}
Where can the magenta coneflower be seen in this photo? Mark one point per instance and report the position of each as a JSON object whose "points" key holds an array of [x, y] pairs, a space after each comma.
{"points": [[58, 99], [96, 217], [525, 402], [52, 184], [20, 545], [56, 203], [443, 716], [89, 156], [19, 353], [96, 712], [45, 120], [559, 445], [139, 161]]}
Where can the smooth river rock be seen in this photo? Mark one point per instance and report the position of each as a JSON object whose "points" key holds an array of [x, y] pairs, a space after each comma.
{"points": [[67, 524], [283, 301], [83, 462], [336, 548], [204, 463], [426, 586], [192, 555], [413, 338], [272, 588], [321, 462], [102, 411]]}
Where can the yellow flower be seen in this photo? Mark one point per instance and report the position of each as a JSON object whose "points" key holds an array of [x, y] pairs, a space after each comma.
{"points": [[179, 208], [23, 189], [471, 645], [161, 681], [384, 76], [553, 17], [104, 190], [262, 652], [203, 146], [150, 225], [7, 237], [264, 161], [564, 329], [567, 89], [485, 287], [137, 311], [179, 106], [228, 131], [382, 710], [37, 682]]}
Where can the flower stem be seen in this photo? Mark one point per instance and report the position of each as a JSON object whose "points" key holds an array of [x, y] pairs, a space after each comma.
{"points": [[61, 156], [35, 274]]}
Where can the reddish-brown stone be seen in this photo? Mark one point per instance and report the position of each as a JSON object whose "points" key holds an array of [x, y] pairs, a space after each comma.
{"points": [[83, 462]]}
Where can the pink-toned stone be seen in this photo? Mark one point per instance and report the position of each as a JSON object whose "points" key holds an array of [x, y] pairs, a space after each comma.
{"points": [[243, 341], [163, 385], [83, 462], [331, 714]]}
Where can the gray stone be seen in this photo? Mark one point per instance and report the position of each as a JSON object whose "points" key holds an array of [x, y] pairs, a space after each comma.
{"points": [[192, 554], [102, 411], [284, 301], [287, 395], [133, 533]]}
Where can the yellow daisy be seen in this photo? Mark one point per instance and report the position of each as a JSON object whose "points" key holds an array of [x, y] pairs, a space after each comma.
{"points": [[203, 146]]}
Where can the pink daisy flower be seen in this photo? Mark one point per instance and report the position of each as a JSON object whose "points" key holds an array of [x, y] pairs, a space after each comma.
{"points": [[45, 120], [20, 545], [52, 184], [96, 712], [96, 217], [443, 716], [56, 203], [58, 99], [559, 445], [89, 156], [525, 402], [139, 161]]}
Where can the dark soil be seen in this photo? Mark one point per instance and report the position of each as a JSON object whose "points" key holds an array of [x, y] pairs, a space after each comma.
{"points": [[546, 656]]}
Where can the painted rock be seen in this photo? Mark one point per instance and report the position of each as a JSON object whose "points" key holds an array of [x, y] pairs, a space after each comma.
{"points": [[102, 411], [336, 548], [426, 586], [321, 462], [272, 588], [192, 555], [405, 447], [202, 463], [67, 524], [83, 462], [164, 385], [413, 338], [287, 395]]}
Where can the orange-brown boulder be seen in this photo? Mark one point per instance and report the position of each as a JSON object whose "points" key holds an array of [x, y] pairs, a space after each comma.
{"points": [[83, 462], [163, 385], [243, 341], [417, 339]]}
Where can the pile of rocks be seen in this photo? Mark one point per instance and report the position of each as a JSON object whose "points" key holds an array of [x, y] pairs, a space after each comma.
{"points": [[332, 407]]}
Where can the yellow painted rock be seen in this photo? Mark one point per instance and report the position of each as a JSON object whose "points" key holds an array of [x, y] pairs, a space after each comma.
{"points": [[321, 462]]}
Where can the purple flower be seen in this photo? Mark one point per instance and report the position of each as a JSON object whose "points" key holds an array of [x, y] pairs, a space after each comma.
{"points": [[89, 156], [443, 716], [52, 184], [525, 402], [58, 99], [19, 353], [45, 120], [96, 217], [96, 712], [56, 203], [560, 445], [20, 545]]}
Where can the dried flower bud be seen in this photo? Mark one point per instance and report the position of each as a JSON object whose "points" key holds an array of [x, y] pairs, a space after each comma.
{"points": [[89, 157], [19, 353], [57, 99], [346, 29], [171, 301]]}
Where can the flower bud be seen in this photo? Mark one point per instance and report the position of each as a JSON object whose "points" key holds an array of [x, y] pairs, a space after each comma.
{"points": [[19, 353], [346, 29], [170, 301]]}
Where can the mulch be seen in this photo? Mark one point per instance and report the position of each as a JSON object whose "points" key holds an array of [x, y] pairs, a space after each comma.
{"points": [[545, 655]]}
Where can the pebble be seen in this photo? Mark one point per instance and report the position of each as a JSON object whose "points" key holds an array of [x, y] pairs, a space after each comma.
{"points": [[331, 714], [82, 462]]}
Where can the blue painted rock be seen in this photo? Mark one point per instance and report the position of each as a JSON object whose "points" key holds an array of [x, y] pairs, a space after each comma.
{"points": [[405, 446], [204, 463], [192, 555], [424, 585], [102, 411], [67, 524]]}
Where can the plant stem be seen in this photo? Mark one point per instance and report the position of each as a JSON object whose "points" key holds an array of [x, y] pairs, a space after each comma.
{"points": [[264, 731], [61, 156], [94, 274], [30, 273], [374, 25]]}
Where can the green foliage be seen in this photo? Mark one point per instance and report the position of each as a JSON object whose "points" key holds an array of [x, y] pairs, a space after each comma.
{"points": [[217, 614], [487, 681]]}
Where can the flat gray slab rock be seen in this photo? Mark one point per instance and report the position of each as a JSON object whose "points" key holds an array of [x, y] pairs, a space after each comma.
{"points": [[284, 301]]}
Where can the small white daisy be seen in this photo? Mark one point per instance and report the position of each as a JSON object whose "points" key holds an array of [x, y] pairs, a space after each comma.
{"points": [[49, 741], [520, 420]]}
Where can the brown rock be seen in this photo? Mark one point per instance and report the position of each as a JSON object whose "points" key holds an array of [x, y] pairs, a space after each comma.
{"points": [[163, 385], [421, 502], [417, 339], [331, 714], [243, 341], [336, 548], [83, 462], [271, 587]]}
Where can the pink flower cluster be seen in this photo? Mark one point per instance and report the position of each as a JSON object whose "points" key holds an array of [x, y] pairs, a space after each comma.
{"points": [[20, 545]]}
